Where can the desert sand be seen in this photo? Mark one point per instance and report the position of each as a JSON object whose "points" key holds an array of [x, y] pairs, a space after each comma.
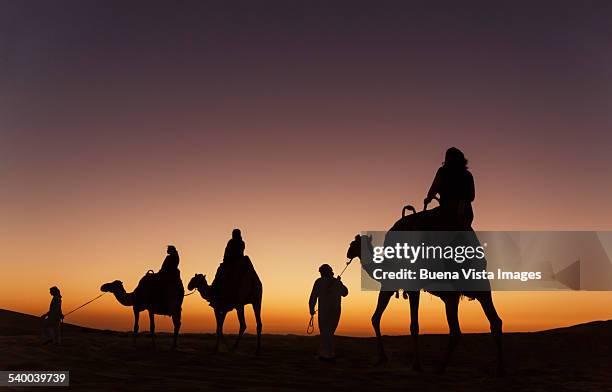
{"points": [[577, 358]]}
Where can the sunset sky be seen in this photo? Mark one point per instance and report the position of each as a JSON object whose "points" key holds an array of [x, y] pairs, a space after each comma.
{"points": [[127, 126]]}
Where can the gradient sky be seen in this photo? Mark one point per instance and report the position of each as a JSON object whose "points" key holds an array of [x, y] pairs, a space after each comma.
{"points": [[126, 126]]}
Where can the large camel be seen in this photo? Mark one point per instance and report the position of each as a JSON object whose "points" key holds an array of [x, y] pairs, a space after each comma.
{"points": [[451, 299], [247, 289], [151, 295]]}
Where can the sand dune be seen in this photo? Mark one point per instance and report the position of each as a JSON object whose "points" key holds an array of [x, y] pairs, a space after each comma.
{"points": [[577, 358], [15, 323]]}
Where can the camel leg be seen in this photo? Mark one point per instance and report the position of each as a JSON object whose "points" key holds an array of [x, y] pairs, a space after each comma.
{"points": [[176, 320], [383, 300], [220, 317], [136, 319], [414, 297], [152, 326], [240, 313], [495, 322], [451, 301], [257, 311]]}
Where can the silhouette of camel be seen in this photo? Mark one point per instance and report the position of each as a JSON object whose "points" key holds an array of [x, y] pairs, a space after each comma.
{"points": [[249, 290], [148, 295], [450, 298]]}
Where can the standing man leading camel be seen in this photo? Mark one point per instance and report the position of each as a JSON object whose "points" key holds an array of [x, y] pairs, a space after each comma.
{"points": [[53, 318], [328, 291]]}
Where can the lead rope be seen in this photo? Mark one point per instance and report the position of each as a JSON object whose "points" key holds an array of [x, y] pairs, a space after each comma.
{"points": [[86, 303], [99, 296], [90, 301], [61, 331], [310, 328]]}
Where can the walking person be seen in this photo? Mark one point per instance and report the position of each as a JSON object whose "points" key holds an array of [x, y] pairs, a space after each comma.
{"points": [[52, 319], [327, 292]]}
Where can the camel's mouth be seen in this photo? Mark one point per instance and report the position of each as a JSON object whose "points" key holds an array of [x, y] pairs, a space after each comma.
{"points": [[196, 281], [109, 287]]}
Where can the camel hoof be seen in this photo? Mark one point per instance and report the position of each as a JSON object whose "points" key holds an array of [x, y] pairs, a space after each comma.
{"points": [[257, 352], [417, 367]]}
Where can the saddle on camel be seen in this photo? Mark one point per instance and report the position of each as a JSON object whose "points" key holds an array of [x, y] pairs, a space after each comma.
{"points": [[232, 274], [165, 285]]}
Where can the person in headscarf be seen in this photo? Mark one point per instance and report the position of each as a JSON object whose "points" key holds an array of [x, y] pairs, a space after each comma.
{"points": [[454, 185], [225, 285], [327, 292], [53, 318], [171, 262], [234, 250]]}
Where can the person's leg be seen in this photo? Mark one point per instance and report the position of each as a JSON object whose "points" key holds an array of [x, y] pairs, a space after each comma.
{"points": [[332, 332], [325, 344], [46, 332], [57, 339]]}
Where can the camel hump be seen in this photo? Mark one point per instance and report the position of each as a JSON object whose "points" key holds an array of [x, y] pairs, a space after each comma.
{"points": [[165, 281], [233, 284], [161, 292]]}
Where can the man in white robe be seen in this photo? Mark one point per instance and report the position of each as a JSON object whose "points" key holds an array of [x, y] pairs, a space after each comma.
{"points": [[328, 292]]}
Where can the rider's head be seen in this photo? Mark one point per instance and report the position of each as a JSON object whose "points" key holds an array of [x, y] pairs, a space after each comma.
{"points": [[454, 158], [326, 270], [171, 250], [236, 234], [54, 291]]}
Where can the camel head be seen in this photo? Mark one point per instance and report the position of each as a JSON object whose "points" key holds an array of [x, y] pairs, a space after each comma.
{"points": [[354, 249], [198, 282], [113, 287]]}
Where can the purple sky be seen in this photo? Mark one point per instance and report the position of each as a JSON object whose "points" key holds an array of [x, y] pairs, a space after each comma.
{"points": [[131, 124]]}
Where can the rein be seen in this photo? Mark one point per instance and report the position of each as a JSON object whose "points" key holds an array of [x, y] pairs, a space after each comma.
{"points": [[192, 292]]}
